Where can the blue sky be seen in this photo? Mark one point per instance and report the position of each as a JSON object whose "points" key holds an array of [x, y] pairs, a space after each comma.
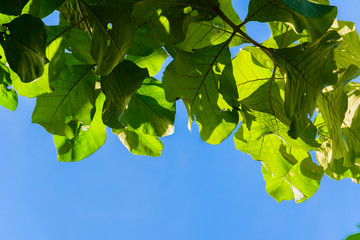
{"points": [[193, 191]]}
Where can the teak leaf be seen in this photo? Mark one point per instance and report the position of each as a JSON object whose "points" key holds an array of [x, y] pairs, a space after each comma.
{"points": [[91, 71], [24, 44]]}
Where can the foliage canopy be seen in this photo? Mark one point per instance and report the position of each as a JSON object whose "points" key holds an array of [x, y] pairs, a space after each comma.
{"points": [[94, 70]]}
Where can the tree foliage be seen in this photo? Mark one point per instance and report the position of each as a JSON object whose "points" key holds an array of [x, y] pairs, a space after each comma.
{"points": [[95, 70]]}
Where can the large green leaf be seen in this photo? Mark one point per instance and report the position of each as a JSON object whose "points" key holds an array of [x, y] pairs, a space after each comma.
{"points": [[301, 14], [12, 7], [25, 44], [207, 33], [71, 102], [79, 44], [307, 69], [170, 19], [349, 50], [339, 161], [148, 116], [261, 99], [289, 172], [333, 105], [204, 81], [87, 140], [119, 87], [55, 50], [112, 30]]}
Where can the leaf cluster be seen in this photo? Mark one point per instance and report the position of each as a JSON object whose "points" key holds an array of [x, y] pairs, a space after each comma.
{"points": [[288, 96]]}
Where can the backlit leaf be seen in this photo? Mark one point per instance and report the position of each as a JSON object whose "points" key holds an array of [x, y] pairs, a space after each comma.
{"points": [[71, 102], [87, 140], [204, 81]]}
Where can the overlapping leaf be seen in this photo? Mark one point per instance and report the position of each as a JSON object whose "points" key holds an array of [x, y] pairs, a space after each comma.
{"points": [[289, 173], [307, 70], [349, 50], [339, 128], [119, 87], [170, 19], [112, 30], [147, 117], [216, 31], [204, 81], [87, 140], [146, 51], [24, 44], [263, 132], [282, 36], [300, 14], [71, 102], [55, 50], [261, 100]]}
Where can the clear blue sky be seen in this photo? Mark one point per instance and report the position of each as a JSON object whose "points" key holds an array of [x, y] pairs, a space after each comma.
{"points": [[194, 191]]}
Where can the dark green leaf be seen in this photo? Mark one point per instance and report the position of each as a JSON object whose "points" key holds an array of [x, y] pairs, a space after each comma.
{"points": [[48, 6], [55, 50], [112, 32], [170, 19], [119, 87], [25, 45], [12, 7]]}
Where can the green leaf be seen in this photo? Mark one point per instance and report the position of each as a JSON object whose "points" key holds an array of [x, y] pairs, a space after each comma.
{"points": [[11, 7], [333, 105], [300, 14], [25, 47], [87, 140], [153, 62], [79, 44], [119, 87], [307, 69], [288, 172], [112, 30], [282, 36], [261, 101], [71, 102], [146, 51], [170, 19], [349, 50], [213, 32], [55, 50], [149, 112], [148, 116], [8, 97], [144, 43], [138, 143], [204, 81], [48, 6], [337, 162]]}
